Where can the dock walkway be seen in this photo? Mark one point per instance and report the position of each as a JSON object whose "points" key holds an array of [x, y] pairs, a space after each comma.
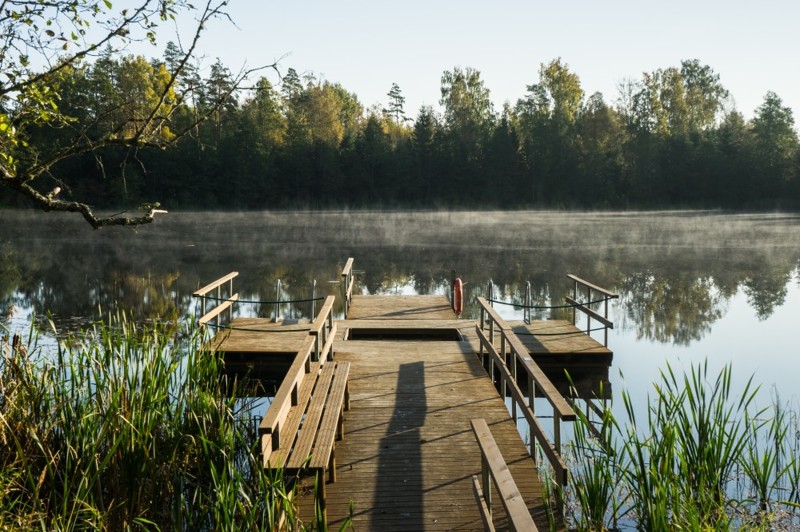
{"points": [[417, 377], [408, 455]]}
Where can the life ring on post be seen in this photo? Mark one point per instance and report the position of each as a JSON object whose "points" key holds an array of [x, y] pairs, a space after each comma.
{"points": [[458, 296]]}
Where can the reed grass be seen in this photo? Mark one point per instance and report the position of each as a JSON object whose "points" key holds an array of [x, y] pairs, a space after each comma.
{"points": [[703, 459], [131, 428]]}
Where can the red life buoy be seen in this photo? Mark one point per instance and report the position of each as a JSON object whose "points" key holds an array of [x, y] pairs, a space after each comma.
{"points": [[458, 296]]}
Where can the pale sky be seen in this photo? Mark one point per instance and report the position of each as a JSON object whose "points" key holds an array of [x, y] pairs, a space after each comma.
{"points": [[368, 45]]}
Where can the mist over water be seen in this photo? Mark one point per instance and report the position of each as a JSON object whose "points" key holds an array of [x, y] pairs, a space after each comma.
{"points": [[693, 285]]}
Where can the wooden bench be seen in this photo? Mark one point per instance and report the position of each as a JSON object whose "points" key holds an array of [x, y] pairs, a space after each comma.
{"points": [[494, 468], [306, 417]]}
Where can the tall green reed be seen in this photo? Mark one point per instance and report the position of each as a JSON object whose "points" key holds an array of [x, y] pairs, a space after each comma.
{"points": [[129, 427], [677, 468]]}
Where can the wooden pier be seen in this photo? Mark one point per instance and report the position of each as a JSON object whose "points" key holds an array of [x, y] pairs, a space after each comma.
{"points": [[420, 380]]}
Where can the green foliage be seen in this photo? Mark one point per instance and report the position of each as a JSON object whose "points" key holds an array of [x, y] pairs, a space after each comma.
{"points": [[127, 428], [679, 468], [671, 140]]}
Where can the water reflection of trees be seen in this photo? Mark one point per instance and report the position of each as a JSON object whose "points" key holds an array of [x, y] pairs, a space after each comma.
{"points": [[670, 309], [675, 274]]}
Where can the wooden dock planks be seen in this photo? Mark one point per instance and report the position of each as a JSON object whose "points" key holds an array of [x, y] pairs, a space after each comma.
{"points": [[401, 308], [260, 335], [560, 341], [408, 455]]}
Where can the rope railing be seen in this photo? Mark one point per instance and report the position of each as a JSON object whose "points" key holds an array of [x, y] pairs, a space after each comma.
{"points": [[221, 303], [265, 302], [549, 307], [560, 333], [250, 329]]}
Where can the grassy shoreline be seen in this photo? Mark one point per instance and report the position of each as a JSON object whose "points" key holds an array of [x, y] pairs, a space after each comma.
{"points": [[130, 428], [705, 458]]}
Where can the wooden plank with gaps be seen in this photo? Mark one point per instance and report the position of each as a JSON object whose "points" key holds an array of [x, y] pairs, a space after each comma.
{"points": [[510, 497], [334, 403], [309, 430], [294, 418]]}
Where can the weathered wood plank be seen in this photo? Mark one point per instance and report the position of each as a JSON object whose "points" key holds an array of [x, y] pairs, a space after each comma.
{"points": [[408, 455], [553, 340], [212, 285], [400, 307], [219, 309], [326, 434], [260, 335], [594, 287], [286, 395], [310, 430], [589, 312], [510, 497], [293, 419]]}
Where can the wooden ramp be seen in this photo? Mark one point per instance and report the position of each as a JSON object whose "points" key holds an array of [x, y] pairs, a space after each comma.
{"points": [[408, 454]]}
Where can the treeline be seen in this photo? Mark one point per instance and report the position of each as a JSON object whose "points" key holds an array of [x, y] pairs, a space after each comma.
{"points": [[670, 138]]}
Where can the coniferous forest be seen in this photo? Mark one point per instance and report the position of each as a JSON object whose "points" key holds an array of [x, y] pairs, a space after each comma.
{"points": [[668, 139]]}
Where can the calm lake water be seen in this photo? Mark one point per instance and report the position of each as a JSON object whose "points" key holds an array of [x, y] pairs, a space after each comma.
{"points": [[693, 286]]}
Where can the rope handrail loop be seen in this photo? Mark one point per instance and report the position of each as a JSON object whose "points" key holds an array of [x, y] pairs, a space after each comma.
{"points": [[266, 302], [546, 307], [250, 329], [559, 333]]}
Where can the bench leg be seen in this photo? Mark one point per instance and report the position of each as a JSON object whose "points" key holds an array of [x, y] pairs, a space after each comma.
{"points": [[347, 396], [332, 465], [340, 426]]}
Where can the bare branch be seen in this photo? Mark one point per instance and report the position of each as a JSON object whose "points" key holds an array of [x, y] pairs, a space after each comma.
{"points": [[132, 133]]}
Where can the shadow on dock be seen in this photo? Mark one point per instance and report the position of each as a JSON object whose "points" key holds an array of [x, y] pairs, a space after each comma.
{"points": [[400, 498]]}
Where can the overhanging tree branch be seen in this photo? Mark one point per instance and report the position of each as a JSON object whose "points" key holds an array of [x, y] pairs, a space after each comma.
{"points": [[31, 101]]}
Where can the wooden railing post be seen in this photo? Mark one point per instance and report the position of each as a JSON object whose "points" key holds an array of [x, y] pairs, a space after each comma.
{"points": [[222, 305], [219, 299], [588, 316], [487, 485], [504, 356], [557, 431], [526, 312], [313, 298], [575, 297], [347, 280]]}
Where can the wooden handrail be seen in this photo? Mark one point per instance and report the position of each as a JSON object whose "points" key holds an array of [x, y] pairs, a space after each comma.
{"points": [[209, 287], [543, 382], [584, 307], [493, 466], [550, 451], [286, 396], [495, 317], [589, 312], [547, 387], [221, 304], [219, 309], [324, 315], [596, 288], [348, 280], [348, 267]]}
